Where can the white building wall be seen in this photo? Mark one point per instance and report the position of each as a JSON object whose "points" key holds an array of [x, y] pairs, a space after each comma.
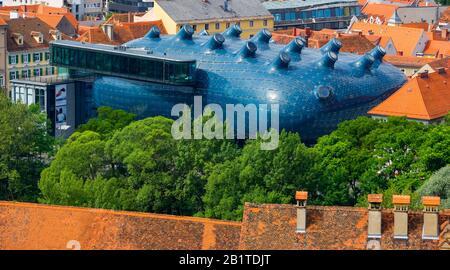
{"points": [[52, 3]]}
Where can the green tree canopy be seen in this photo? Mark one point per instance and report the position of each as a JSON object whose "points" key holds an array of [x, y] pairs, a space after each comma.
{"points": [[437, 185], [25, 148], [141, 167], [108, 121]]}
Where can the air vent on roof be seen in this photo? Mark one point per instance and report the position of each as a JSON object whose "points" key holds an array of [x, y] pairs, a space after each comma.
{"points": [[441, 70], [423, 74]]}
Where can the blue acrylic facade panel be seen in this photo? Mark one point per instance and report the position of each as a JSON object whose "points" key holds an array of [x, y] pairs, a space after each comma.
{"points": [[314, 93]]}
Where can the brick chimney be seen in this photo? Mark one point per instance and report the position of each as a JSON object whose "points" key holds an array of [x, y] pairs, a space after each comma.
{"points": [[308, 31], [374, 226], [401, 207], [430, 217], [301, 197], [444, 34]]}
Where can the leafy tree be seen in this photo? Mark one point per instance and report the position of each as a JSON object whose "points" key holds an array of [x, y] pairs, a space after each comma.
{"points": [[141, 167], [107, 121], [25, 148], [366, 156], [437, 185], [260, 176]]}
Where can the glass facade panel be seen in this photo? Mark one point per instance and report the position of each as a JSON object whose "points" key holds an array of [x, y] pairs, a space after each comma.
{"points": [[124, 65]]}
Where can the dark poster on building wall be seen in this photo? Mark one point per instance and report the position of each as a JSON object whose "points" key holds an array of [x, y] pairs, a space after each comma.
{"points": [[60, 106]]}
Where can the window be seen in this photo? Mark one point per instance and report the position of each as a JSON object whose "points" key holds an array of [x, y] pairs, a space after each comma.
{"points": [[195, 27], [217, 26], [25, 73], [26, 58], [37, 72], [228, 25], [251, 23], [47, 56], [277, 17], [123, 65], [265, 23], [37, 57], [13, 59], [2, 80], [39, 98], [12, 75], [30, 96], [206, 26]]}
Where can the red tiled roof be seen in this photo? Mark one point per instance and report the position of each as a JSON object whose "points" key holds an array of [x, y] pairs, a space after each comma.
{"points": [[383, 11], [405, 39], [437, 48], [123, 17], [351, 43], [271, 226], [408, 61], [25, 26], [444, 62], [268, 226], [122, 32], [420, 98], [52, 227], [445, 18]]}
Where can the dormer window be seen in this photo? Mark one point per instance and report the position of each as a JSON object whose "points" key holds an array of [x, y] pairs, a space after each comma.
{"points": [[56, 34], [38, 36], [18, 38]]}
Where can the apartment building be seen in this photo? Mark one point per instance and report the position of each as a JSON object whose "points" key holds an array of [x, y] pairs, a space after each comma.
{"points": [[27, 51], [212, 16]]}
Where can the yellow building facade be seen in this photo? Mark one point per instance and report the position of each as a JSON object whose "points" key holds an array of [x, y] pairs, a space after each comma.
{"points": [[249, 25]]}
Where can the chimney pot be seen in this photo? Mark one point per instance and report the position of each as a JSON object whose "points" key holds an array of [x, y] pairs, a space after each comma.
{"points": [[401, 207], [374, 224], [375, 198], [301, 197], [430, 217]]}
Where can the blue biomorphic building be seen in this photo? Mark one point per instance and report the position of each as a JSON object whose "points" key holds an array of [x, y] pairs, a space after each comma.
{"points": [[315, 88]]}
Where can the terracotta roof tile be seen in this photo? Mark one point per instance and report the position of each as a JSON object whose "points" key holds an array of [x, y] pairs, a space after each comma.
{"points": [[405, 39], [408, 61], [351, 43], [444, 62], [25, 26], [420, 98], [445, 18], [51, 227], [383, 11], [3, 22], [273, 227], [437, 48], [122, 32]]}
